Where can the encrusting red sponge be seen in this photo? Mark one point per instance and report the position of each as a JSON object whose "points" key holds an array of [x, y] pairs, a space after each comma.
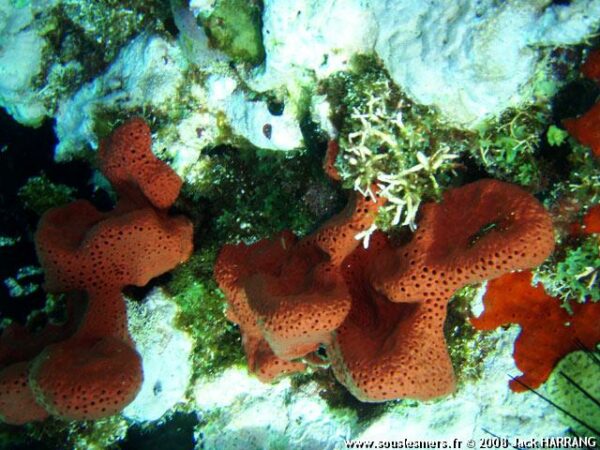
{"points": [[385, 350], [234, 264], [479, 231], [86, 379], [548, 332], [591, 67], [586, 128], [17, 402], [94, 371]]}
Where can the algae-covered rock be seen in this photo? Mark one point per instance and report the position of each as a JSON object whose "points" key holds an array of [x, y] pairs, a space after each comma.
{"points": [[386, 139], [40, 194], [146, 76], [201, 312], [252, 119], [506, 146], [234, 26]]}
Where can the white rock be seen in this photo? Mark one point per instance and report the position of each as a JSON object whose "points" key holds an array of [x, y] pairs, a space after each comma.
{"points": [[202, 7], [21, 49], [185, 146], [566, 24], [148, 73], [320, 110], [307, 37], [248, 414], [192, 37], [232, 385], [165, 352], [473, 59], [251, 119], [470, 58]]}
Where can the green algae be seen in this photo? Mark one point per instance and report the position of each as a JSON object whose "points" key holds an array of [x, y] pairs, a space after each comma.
{"points": [[556, 136], [572, 272], [507, 146], [217, 344], [78, 435], [583, 182], [21, 284], [235, 27], [467, 347], [340, 402], [250, 194], [39, 194]]}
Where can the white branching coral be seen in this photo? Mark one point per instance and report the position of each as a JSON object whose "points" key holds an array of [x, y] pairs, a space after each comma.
{"points": [[392, 185], [390, 143]]}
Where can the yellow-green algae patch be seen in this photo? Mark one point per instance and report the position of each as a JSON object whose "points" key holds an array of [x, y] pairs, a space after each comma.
{"points": [[235, 27], [573, 386], [39, 194]]}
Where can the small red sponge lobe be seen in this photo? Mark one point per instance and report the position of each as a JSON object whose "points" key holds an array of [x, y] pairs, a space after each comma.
{"points": [[86, 379], [126, 159], [591, 66], [17, 402]]}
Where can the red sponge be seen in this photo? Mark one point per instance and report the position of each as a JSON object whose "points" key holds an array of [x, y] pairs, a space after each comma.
{"points": [[86, 379], [17, 403], [586, 129], [548, 332], [126, 159], [88, 369]]}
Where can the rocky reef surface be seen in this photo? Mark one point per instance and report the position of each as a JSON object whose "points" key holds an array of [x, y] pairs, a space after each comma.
{"points": [[407, 102]]}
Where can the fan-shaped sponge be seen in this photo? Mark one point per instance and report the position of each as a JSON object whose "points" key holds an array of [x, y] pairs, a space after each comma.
{"points": [[385, 350], [129, 248], [292, 294], [479, 231], [235, 264]]}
